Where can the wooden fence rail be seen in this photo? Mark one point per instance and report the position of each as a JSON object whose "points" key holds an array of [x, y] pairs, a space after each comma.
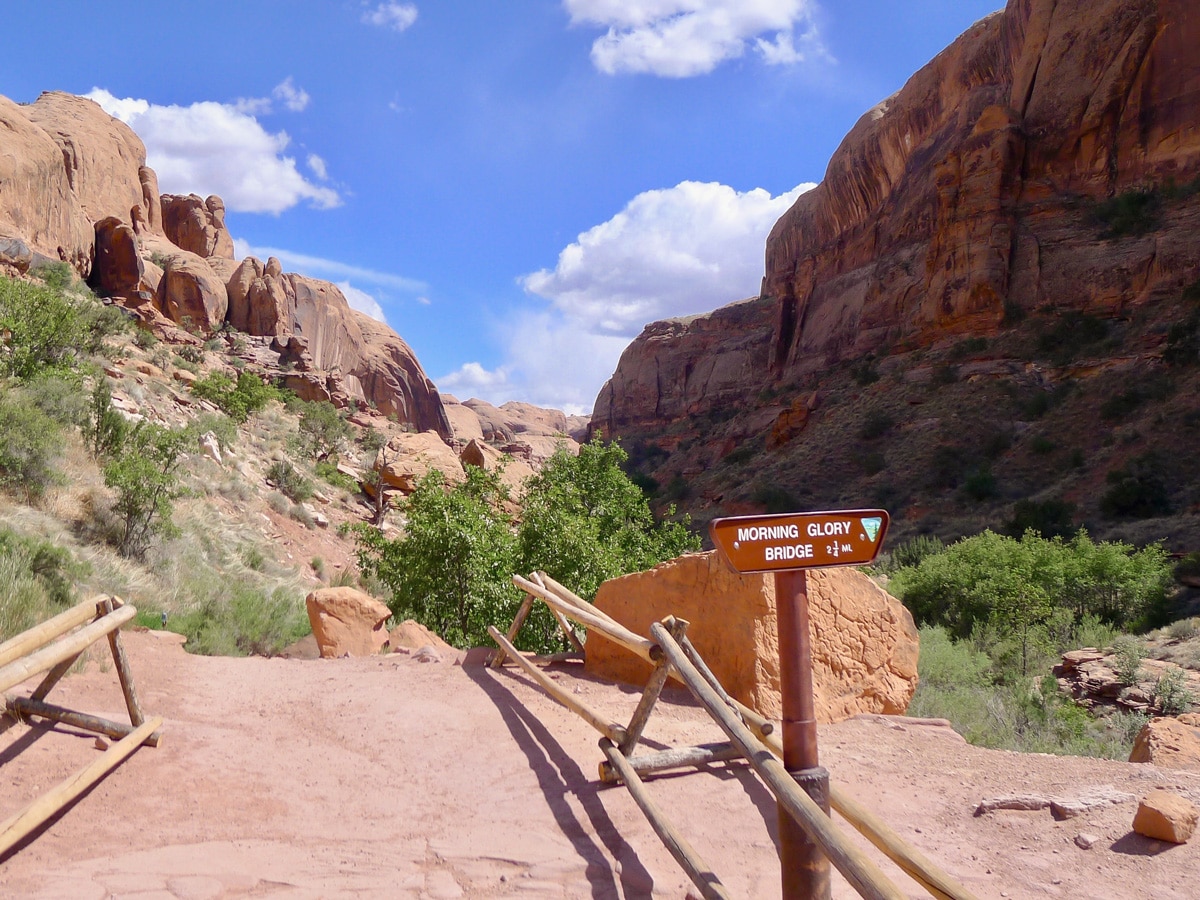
{"points": [[751, 736], [52, 648]]}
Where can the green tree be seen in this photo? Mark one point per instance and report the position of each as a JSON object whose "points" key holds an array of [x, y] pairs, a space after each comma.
{"points": [[452, 569], [145, 476], [30, 446], [105, 429], [323, 430], [237, 400], [40, 328], [583, 521]]}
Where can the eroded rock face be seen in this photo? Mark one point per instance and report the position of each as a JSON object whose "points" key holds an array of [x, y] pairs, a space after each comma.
{"points": [[865, 644], [118, 268], [196, 225], [1169, 743], [37, 202], [962, 196], [191, 293], [525, 430], [407, 458], [347, 622]]}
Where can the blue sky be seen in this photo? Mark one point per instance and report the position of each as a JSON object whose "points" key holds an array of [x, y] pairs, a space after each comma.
{"points": [[517, 187]]}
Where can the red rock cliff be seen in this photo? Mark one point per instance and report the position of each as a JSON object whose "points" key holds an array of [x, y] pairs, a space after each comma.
{"points": [[961, 196]]}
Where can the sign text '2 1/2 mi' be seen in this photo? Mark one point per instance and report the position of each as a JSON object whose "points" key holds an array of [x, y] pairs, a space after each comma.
{"points": [[800, 540]]}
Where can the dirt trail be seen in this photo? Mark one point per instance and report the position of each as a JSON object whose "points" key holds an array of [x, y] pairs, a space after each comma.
{"points": [[390, 777]]}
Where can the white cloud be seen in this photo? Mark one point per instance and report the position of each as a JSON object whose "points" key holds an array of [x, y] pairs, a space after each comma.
{"points": [[682, 38], [294, 98], [671, 252], [217, 148], [396, 16], [328, 269], [362, 301], [317, 166]]}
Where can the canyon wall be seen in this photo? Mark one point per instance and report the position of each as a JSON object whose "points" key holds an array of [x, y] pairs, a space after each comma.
{"points": [[957, 204]]}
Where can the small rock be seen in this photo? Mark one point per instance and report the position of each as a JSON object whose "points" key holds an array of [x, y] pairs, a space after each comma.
{"points": [[101, 744], [427, 654], [1166, 817], [1086, 841]]}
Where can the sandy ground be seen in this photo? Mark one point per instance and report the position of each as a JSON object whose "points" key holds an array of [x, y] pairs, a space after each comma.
{"points": [[390, 777]]}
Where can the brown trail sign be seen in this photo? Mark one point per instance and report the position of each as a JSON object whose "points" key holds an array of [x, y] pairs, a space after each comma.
{"points": [[789, 545], [815, 540]]}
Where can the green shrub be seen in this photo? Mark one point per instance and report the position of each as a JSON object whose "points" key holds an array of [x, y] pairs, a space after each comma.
{"points": [[1015, 586], [43, 329], [144, 475], [980, 484], [452, 569], [1171, 693], [1137, 491], [243, 621], [145, 339], [324, 431], [105, 430], [1128, 653], [1070, 335], [774, 499], [283, 475], [237, 400], [328, 472], [1132, 213], [876, 424], [914, 550], [373, 440], [57, 275], [31, 444], [1049, 518], [864, 372]]}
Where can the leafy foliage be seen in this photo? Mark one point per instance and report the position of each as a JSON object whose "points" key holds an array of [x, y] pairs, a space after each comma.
{"points": [[144, 474], [30, 445], [42, 329], [323, 430], [584, 521], [1015, 586], [1136, 491], [291, 483], [237, 400], [452, 569]]}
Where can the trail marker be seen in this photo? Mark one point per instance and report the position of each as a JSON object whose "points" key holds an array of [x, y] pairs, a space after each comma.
{"points": [[788, 545]]}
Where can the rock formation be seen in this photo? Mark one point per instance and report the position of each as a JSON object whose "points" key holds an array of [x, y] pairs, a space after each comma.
{"points": [[864, 641], [196, 225], [407, 458], [959, 201], [1170, 743], [347, 622], [74, 186]]}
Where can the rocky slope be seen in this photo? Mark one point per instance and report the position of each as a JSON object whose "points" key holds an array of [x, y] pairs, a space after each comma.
{"points": [[74, 186], [1041, 169]]}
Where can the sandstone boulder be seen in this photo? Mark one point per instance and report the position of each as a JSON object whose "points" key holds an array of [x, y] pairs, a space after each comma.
{"points": [[407, 458], [513, 471], [191, 293], [196, 225], [118, 268], [102, 155], [464, 422], [1168, 743], [37, 203], [1164, 816], [412, 635], [865, 644], [345, 621]]}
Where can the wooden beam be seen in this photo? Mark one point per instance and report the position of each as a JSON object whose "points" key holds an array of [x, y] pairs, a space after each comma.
{"points": [[919, 867], [864, 876], [703, 877], [27, 706], [675, 758], [590, 618], [48, 657], [37, 637], [20, 826], [124, 673], [654, 686], [513, 630], [611, 730]]}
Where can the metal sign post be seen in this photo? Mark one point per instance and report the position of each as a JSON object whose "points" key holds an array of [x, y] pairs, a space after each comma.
{"points": [[789, 545]]}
